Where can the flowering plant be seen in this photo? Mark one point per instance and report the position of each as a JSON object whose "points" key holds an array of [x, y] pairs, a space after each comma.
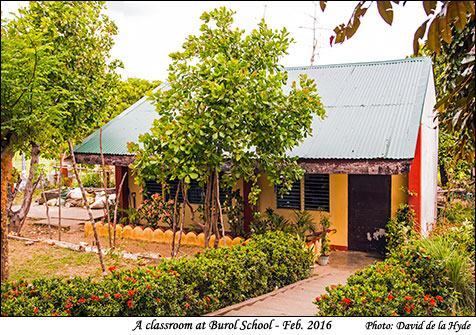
{"points": [[156, 211], [325, 242]]}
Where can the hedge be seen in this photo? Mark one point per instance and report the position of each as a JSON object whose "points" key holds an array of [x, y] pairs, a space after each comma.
{"points": [[212, 279]]}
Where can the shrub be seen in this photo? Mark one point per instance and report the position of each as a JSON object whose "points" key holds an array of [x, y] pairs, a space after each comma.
{"points": [[301, 225], [439, 266], [213, 279], [401, 228], [156, 211], [92, 180], [383, 289]]}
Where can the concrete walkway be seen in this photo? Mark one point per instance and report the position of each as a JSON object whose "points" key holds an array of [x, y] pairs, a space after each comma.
{"points": [[71, 217], [296, 299]]}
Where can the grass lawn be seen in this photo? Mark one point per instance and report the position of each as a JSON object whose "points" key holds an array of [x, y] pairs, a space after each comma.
{"points": [[41, 260]]}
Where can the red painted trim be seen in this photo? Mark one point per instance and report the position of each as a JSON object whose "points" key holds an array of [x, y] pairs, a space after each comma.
{"points": [[246, 207], [414, 183], [339, 247], [123, 198]]}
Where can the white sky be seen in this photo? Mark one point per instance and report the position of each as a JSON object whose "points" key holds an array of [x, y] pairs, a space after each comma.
{"points": [[150, 30]]}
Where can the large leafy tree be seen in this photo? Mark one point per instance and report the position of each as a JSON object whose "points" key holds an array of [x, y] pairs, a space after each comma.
{"points": [[448, 33], [127, 92], [56, 83], [224, 110]]}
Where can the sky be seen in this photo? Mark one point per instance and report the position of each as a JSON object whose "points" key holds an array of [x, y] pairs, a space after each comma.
{"points": [[150, 30]]}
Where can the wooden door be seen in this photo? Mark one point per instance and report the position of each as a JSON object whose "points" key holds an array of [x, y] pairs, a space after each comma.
{"points": [[369, 212]]}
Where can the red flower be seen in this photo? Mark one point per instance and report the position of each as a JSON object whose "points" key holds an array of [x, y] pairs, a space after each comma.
{"points": [[378, 300], [130, 303], [407, 309], [390, 297], [130, 293], [68, 305], [95, 298], [439, 298], [55, 314], [412, 306], [346, 301], [208, 299], [187, 305], [117, 295], [158, 300], [433, 302], [393, 313], [148, 287], [81, 300], [407, 298], [36, 310], [112, 268], [106, 295]]}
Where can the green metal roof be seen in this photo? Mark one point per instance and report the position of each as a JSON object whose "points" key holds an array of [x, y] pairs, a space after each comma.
{"points": [[373, 110]]}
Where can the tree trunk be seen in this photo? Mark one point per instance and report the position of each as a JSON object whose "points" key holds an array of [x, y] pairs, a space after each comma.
{"points": [[60, 182], [182, 218], [443, 174], [47, 209], [17, 218], [106, 205], [220, 211], [115, 210], [7, 158], [175, 218], [215, 210], [91, 217]]}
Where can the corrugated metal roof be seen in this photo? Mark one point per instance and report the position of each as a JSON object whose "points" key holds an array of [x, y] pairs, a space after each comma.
{"points": [[373, 110]]}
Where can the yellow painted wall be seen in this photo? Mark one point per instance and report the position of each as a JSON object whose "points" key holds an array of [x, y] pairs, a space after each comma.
{"points": [[337, 204], [338, 189], [398, 196]]}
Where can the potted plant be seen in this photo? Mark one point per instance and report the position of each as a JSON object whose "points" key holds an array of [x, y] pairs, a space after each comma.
{"points": [[325, 246]]}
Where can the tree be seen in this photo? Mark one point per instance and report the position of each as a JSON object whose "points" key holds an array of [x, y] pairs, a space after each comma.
{"points": [[56, 82], [449, 24], [127, 92], [224, 112]]}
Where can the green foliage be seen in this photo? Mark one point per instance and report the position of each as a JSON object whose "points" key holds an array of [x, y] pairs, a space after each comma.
{"points": [[212, 279], [156, 211], [382, 289], [401, 228], [456, 212], [56, 79], [233, 209], [454, 75], [301, 225], [92, 180], [325, 242], [127, 92], [224, 102], [437, 273]]}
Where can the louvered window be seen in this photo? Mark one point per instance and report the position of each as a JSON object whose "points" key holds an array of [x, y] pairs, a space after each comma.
{"points": [[291, 200], [316, 192], [196, 194], [152, 187], [170, 193]]}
